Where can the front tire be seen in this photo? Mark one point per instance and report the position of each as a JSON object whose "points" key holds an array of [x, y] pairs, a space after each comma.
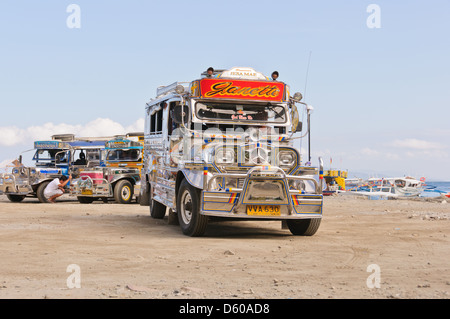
{"points": [[304, 227], [15, 198], [123, 192], [192, 223], [157, 210], [144, 196], [40, 192]]}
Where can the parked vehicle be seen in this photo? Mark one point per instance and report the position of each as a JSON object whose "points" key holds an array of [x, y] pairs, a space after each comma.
{"points": [[59, 156], [119, 178], [222, 146]]}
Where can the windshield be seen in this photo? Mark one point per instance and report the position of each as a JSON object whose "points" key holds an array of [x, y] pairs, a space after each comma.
{"points": [[95, 155], [48, 156], [131, 155], [268, 113]]}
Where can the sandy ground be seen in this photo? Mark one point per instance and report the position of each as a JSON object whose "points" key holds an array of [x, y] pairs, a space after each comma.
{"points": [[122, 252]]}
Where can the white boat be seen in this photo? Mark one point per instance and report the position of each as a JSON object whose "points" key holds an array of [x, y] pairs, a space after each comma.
{"points": [[389, 187], [374, 192], [408, 186]]}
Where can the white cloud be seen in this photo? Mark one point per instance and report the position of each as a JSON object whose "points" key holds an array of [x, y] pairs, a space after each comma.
{"points": [[369, 152], [12, 135], [416, 144]]}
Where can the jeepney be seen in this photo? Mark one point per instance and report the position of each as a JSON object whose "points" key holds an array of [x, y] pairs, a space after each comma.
{"points": [[222, 146], [119, 179], [52, 159]]}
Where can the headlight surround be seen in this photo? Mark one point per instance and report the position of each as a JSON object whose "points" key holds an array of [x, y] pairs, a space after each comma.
{"points": [[287, 158], [225, 156]]}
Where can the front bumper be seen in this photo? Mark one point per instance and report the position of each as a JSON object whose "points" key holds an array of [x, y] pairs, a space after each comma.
{"points": [[265, 195], [91, 187], [9, 185]]}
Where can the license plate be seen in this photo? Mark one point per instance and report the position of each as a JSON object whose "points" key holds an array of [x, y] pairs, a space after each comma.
{"points": [[263, 210], [86, 192]]}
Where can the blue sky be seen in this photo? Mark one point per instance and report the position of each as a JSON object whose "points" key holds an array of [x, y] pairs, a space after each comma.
{"points": [[380, 96]]}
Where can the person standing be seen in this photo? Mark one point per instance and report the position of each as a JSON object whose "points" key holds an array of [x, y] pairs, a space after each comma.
{"points": [[55, 188], [275, 75]]}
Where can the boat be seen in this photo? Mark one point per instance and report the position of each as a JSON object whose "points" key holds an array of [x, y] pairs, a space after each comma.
{"points": [[408, 186], [389, 187], [385, 191], [335, 181]]}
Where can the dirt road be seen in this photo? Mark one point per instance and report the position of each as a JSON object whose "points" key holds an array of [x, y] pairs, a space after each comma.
{"points": [[121, 252]]}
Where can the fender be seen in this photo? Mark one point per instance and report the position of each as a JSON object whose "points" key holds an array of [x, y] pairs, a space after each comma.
{"points": [[195, 178]]}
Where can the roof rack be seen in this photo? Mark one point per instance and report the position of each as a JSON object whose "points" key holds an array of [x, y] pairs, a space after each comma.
{"points": [[63, 137], [171, 87]]}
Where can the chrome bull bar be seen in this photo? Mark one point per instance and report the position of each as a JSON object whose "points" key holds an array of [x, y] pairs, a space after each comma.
{"points": [[318, 186], [9, 185], [264, 187], [94, 187]]}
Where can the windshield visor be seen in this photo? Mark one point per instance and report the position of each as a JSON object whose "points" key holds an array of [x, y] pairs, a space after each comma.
{"points": [[247, 113]]}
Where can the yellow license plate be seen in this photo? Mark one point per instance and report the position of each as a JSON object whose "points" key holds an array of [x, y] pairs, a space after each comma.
{"points": [[86, 192], [263, 210]]}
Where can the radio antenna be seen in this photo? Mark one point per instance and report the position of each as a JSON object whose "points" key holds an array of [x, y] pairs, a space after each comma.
{"points": [[303, 114], [307, 73]]}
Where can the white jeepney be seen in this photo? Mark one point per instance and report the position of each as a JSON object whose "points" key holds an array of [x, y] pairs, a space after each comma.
{"points": [[222, 146]]}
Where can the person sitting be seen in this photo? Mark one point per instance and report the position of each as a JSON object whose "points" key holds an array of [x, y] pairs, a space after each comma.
{"points": [[55, 188], [81, 160], [210, 72]]}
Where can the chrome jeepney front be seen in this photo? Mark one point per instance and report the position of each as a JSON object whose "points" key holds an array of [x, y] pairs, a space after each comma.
{"points": [[90, 186], [16, 183], [266, 193]]}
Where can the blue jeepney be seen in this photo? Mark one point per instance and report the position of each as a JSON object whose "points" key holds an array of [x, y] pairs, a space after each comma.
{"points": [[52, 159]]}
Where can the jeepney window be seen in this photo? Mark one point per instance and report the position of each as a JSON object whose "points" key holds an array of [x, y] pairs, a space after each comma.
{"points": [[124, 155], [156, 121], [268, 113], [45, 155], [171, 123], [48, 155], [159, 121], [153, 123], [93, 155]]}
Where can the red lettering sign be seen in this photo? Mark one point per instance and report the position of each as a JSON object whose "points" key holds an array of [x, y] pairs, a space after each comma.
{"points": [[242, 90]]}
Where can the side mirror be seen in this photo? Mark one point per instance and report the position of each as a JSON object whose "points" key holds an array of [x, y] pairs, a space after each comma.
{"points": [[296, 124]]}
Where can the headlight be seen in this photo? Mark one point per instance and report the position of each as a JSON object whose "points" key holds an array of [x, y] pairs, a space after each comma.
{"points": [[87, 183], [225, 156], [286, 158]]}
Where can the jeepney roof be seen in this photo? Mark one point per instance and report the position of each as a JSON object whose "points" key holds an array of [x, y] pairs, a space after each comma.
{"points": [[123, 144], [87, 144], [51, 145]]}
